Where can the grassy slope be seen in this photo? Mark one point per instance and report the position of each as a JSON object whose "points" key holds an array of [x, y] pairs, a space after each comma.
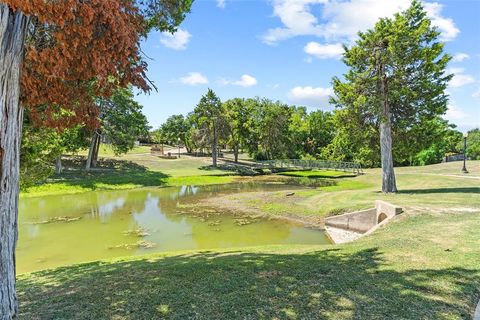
{"points": [[134, 170], [421, 266], [425, 265], [138, 168], [437, 187]]}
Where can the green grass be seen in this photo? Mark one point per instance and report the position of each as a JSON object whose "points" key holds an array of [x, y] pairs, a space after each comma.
{"points": [[199, 180], [436, 187], [128, 172], [422, 266], [119, 180], [107, 151]]}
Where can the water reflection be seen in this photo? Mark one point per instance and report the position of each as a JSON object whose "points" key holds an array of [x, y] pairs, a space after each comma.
{"points": [[120, 223]]}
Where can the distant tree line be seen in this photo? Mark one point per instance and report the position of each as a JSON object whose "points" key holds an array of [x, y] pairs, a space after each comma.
{"points": [[267, 129]]}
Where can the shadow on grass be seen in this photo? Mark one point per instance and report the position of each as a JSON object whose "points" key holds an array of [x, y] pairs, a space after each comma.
{"points": [[443, 190], [108, 172], [329, 284]]}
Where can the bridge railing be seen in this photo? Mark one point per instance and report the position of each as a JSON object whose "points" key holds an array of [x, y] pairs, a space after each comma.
{"points": [[311, 164]]}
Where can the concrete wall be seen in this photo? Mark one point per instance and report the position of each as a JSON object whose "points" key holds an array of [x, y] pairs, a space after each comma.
{"points": [[363, 221], [360, 221]]}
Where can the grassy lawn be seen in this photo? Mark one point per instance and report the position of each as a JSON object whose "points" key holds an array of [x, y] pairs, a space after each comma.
{"points": [[437, 187], [139, 168], [424, 265], [421, 266], [133, 170]]}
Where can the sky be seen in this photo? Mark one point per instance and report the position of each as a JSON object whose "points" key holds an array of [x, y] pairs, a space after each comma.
{"points": [[289, 50]]}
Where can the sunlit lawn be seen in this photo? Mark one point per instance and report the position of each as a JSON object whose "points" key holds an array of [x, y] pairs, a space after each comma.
{"points": [[437, 187], [422, 266]]}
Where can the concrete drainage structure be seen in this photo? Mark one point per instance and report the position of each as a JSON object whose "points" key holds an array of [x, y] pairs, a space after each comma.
{"points": [[351, 226]]}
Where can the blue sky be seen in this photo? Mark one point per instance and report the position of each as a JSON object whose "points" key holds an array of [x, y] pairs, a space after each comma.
{"points": [[289, 50]]}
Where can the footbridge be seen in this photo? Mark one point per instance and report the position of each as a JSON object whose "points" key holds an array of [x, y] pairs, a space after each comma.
{"points": [[310, 165]]}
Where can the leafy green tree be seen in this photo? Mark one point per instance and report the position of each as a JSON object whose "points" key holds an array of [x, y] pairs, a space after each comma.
{"points": [[425, 142], [40, 147], [43, 146], [473, 144], [298, 132], [174, 128], [238, 114], [396, 76], [121, 124], [321, 131], [355, 139], [210, 120], [272, 121]]}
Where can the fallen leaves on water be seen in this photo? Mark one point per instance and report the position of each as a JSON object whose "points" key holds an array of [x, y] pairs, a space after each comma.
{"points": [[57, 219], [244, 221], [139, 232], [139, 244]]}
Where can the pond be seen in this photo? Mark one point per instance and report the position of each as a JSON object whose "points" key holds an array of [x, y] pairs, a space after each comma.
{"points": [[67, 229]]}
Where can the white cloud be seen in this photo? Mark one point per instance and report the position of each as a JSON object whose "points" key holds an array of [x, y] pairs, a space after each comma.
{"points": [[465, 118], [324, 51], [296, 18], [194, 78], [244, 81], [341, 20], [476, 94], [446, 25], [221, 3], [176, 41], [459, 57], [455, 113], [346, 18], [460, 78], [311, 96]]}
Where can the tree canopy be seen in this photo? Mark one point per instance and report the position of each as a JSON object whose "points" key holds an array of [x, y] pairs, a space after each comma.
{"points": [[79, 50], [395, 81]]}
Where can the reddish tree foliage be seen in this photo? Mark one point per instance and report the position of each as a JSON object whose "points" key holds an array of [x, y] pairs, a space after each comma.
{"points": [[78, 50]]}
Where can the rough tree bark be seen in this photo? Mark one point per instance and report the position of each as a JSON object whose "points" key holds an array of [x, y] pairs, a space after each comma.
{"points": [[214, 145], [91, 151], [92, 158], [388, 174], [96, 150], [13, 28], [58, 165], [235, 152]]}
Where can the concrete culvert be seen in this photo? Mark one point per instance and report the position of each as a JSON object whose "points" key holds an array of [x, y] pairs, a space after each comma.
{"points": [[382, 216]]}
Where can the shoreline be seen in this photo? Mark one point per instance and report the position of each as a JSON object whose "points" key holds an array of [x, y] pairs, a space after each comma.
{"points": [[238, 207]]}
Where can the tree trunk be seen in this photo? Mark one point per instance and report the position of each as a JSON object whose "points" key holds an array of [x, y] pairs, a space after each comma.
{"points": [[214, 146], [91, 151], [13, 28], [96, 150], [58, 165], [235, 152], [388, 174]]}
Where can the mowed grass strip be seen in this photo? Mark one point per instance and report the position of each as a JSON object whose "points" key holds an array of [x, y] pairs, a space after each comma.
{"points": [[421, 266]]}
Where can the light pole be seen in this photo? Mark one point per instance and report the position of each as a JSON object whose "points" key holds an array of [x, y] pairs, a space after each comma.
{"points": [[178, 148], [464, 169]]}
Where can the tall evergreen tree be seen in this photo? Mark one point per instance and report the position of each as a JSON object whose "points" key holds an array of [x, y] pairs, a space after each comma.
{"points": [[396, 78], [210, 118]]}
